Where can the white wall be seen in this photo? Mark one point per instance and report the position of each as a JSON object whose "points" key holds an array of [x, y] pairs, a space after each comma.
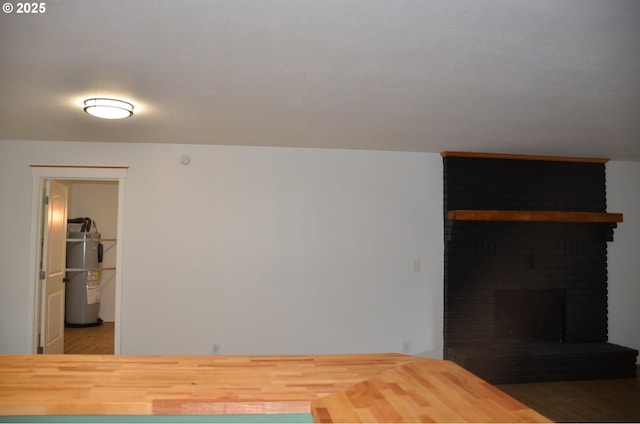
{"points": [[270, 250], [623, 195], [262, 250], [98, 200]]}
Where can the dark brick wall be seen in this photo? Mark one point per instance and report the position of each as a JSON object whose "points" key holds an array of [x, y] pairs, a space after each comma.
{"points": [[472, 183], [481, 257]]}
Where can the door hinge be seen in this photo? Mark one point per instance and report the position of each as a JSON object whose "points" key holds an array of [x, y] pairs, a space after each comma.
{"points": [[45, 200], [43, 275]]}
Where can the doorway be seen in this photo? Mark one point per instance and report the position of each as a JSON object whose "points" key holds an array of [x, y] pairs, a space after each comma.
{"points": [[96, 192], [97, 201]]}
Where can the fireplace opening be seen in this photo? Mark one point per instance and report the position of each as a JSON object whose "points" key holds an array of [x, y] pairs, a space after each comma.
{"points": [[529, 315]]}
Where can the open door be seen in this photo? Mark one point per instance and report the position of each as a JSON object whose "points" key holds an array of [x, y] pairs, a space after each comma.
{"points": [[52, 271]]}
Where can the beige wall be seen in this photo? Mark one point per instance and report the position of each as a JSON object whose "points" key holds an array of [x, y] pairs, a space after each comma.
{"points": [[623, 196], [276, 250], [259, 250]]}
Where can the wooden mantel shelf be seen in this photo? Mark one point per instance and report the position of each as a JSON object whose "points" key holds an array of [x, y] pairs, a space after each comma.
{"points": [[533, 216]]}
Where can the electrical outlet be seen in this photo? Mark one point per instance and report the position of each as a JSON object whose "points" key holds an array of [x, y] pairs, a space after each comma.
{"points": [[406, 347], [215, 349]]}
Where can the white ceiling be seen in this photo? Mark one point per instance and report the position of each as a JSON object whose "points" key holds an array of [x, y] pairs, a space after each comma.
{"points": [[556, 77]]}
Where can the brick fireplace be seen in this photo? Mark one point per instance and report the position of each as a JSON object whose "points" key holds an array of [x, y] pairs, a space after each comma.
{"points": [[526, 269]]}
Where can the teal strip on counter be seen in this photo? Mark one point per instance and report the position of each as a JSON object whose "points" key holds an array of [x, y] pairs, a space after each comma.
{"points": [[134, 419]]}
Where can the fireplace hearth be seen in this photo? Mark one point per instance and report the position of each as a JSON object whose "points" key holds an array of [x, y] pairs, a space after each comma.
{"points": [[526, 269]]}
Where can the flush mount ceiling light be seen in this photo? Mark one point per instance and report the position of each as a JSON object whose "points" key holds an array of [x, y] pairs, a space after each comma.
{"points": [[108, 108]]}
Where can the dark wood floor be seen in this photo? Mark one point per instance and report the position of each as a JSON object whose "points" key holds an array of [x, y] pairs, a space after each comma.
{"points": [[565, 401], [582, 401]]}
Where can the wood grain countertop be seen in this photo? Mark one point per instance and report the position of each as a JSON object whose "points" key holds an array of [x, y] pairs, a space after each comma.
{"points": [[334, 388]]}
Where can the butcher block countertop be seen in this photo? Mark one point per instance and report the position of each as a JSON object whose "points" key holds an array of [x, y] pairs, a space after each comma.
{"points": [[333, 388]]}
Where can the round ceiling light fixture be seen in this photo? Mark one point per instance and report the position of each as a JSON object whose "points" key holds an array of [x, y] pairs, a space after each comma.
{"points": [[108, 108]]}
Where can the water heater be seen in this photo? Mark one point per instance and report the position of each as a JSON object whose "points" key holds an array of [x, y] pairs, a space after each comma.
{"points": [[82, 298]]}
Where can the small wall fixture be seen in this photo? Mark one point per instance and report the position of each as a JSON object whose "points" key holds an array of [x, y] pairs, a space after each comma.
{"points": [[184, 159], [108, 108]]}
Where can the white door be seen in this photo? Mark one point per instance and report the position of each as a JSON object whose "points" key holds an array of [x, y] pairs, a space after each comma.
{"points": [[54, 250]]}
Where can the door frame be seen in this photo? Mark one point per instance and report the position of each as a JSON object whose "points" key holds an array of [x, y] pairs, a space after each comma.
{"points": [[41, 173]]}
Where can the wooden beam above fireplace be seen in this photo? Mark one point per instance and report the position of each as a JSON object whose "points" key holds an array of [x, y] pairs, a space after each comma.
{"points": [[533, 216]]}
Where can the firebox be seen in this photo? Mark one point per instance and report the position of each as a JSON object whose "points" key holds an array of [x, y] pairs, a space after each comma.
{"points": [[529, 315]]}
